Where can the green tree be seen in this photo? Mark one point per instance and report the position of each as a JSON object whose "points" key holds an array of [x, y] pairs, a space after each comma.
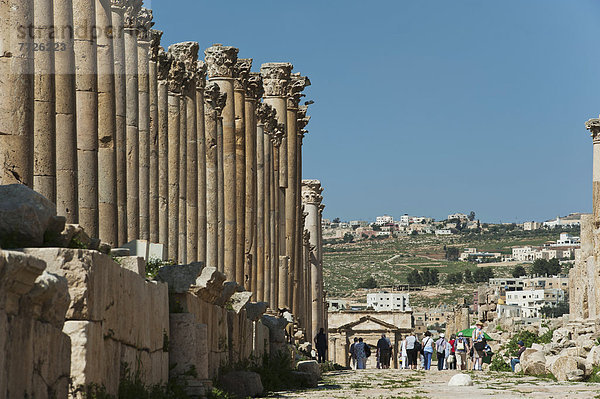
{"points": [[483, 274], [555, 311], [369, 283], [454, 278], [414, 278], [348, 237], [519, 271], [336, 220], [471, 216], [554, 267], [452, 253], [468, 276]]}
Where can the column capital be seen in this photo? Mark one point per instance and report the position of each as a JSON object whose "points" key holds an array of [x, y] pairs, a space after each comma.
{"points": [[187, 54], [132, 10], [220, 60], [297, 84], [241, 73], [306, 239], [302, 119], [221, 101], [200, 74], [118, 5], [277, 134], [176, 77], [164, 61], [593, 125], [144, 25], [276, 76], [264, 112], [254, 88], [311, 192], [155, 37], [211, 95]]}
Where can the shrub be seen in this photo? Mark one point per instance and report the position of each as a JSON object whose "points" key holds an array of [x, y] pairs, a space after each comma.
{"points": [[498, 364]]}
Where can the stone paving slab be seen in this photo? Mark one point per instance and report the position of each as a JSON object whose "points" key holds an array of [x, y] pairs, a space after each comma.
{"points": [[405, 384]]}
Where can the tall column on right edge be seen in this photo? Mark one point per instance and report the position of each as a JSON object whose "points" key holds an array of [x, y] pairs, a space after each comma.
{"points": [[86, 86], [322, 293], [254, 91], [311, 198], [276, 77], [593, 125], [306, 264], [220, 61], [297, 84], [16, 127]]}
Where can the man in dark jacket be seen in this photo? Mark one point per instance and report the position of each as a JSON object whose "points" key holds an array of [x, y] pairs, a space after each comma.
{"points": [[321, 345], [384, 350]]}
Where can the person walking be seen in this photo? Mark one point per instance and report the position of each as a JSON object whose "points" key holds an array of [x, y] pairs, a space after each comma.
{"points": [[428, 345], [321, 345], [361, 354], [440, 347], [353, 354], [517, 360], [461, 347], [451, 351], [478, 339], [404, 354], [384, 351], [413, 348]]}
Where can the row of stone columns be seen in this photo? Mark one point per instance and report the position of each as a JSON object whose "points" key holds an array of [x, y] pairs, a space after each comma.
{"points": [[133, 142]]}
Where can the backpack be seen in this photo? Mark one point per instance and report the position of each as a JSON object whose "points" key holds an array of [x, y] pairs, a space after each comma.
{"points": [[460, 345], [367, 350], [417, 346]]}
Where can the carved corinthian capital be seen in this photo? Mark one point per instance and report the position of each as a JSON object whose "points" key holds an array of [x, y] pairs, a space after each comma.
{"points": [[311, 192], [221, 101], [276, 76], [211, 96], [177, 74], [302, 119], [220, 60], [187, 54], [117, 5], [164, 61], [295, 88], [200, 74], [593, 125], [241, 72], [254, 88], [132, 10], [144, 25], [262, 113], [155, 37]]}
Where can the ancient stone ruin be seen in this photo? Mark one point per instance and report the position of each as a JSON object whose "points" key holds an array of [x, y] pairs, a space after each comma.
{"points": [[107, 138]]}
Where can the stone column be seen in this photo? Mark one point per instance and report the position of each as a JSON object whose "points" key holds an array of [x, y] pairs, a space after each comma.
{"points": [[261, 202], [176, 78], [276, 76], [268, 210], [143, 70], [164, 66], [241, 73], [319, 251], [183, 173], [593, 125], [154, 128], [222, 100], [132, 13], [306, 263], [311, 198], [220, 61], [297, 84], [16, 128], [202, 193], [44, 107], [66, 127], [118, 20], [278, 283], [211, 98], [254, 91], [86, 86], [107, 162]]}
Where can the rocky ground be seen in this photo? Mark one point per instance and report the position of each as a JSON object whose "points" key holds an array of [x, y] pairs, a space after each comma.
{"points": [[434, 384]]}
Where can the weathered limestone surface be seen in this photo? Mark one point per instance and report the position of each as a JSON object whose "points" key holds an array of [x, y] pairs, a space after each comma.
{"points": [[34, 352], [242, 383], [114, 316]]}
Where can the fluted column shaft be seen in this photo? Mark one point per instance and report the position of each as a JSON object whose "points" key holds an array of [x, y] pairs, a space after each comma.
{"points": [[66, 127], [259, 239], [86, 86], [211, 96], [311, 195], [182, 246], [44, 108], [107, 163], [269, 227], [242, 272], [144, 133], [164, 66], [250, 224], [153, 194], [192, 173], [202, 161]]}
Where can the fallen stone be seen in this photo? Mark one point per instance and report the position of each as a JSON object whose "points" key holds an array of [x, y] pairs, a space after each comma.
{"points": [[460, 380], [134, 263], [305, 380], [537, 347], [180, 278], [119, 252], [229, 288], [533, 362], [593, 356], [238, 300], [209, 284], [310, 366], [50, 295], [565, 367], [26, 217], [255, 310], [242, 383]]}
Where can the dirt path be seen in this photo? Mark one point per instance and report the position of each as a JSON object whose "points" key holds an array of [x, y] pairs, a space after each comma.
{"points": [[375, 384]]}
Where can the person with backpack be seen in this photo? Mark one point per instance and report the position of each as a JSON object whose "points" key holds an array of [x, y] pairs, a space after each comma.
{"points": [[478, 346], [384, 351], [353, 354], [413, 348], [440, 347], [428, 345], [451, 353], [461, 347]]}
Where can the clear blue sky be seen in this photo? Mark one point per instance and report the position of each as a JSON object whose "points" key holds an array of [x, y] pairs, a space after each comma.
{"points": [[428, 107]]}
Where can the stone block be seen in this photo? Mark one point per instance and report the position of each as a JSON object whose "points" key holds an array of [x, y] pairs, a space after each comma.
{"points": [[533, 362], [87, 352], [306, 380], [134, 263], [310, 366], [460, 380], [138, 248], [239, 299], [209, 284], [180, 277], [242, 384], [593, 356], [255, 310], [565, 368]]}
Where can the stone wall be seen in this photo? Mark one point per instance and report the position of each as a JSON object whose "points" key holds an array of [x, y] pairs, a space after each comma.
{"points": [[34, 351], [584, 278], [115, 317]]}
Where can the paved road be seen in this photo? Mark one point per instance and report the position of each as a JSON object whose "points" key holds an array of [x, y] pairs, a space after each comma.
{"points": [[405, 384]]}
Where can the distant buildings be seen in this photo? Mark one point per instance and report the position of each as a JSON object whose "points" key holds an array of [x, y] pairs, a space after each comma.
{"points": [[443, 232], [568, 221], [383, 220], [459, 216], [529, 226], [386, 301], [528, 303], [472, 255]]}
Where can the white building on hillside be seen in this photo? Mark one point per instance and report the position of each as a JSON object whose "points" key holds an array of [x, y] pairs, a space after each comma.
{"points": [[385, 219], [460, 216], [389, 301], [531, 301]]}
